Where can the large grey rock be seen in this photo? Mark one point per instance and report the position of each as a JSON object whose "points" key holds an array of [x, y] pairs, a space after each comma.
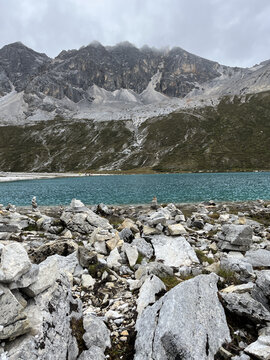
{"points": [[258, 258], [13, 320], [245, 306], [54, 316], [88, 281], [14, 222], [151, 287], [76, 206], [100, 247], [173, 251], [79, 218], [96, 332], [131, 253], [235, 237], [143, 247], [60, 247], [86, 257], [176, 229], [154, 268], [77, 222], [103, 209], [263, 282], [261, 347], [261, 290], [186, 323], [159, 217], [94, 353], [126, 235], [14, 262], [66, 264], [113, 260], [48, 273], [242, 269], [26, 279]]}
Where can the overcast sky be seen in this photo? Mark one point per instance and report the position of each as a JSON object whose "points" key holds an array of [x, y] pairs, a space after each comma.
{"points": [[232, 32]]}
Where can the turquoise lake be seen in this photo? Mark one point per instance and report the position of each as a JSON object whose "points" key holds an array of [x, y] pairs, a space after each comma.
{"points": [[139, 189]]}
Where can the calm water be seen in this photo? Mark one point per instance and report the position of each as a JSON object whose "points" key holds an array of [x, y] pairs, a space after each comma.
{"points": [[139, 189]]}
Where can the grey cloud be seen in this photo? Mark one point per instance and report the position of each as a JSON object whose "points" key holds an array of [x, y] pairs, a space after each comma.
{"points": [[233, 32]]}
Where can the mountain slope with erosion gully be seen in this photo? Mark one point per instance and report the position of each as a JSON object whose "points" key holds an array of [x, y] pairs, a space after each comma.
{"points": [[234, 136], [121, 108]]}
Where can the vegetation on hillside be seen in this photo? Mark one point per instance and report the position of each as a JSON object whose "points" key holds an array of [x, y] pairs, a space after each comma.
{"points": [[234, 136]]}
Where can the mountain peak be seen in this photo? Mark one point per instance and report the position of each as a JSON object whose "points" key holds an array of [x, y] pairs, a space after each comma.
{"points": [[95, 43], [17, 43], [125, 44]]}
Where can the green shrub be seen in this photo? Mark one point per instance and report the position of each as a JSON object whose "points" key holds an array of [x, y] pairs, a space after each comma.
{"points": [[170, 281], [202, 257]]}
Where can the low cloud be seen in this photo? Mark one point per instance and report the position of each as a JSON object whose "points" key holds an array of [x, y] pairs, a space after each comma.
{"points": [[233, 32]]}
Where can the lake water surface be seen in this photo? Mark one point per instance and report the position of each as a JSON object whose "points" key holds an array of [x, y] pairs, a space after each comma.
{"points": [[139, 189]]}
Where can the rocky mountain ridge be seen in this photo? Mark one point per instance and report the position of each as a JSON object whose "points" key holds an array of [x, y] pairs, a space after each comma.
{"points": [[117, 82]]}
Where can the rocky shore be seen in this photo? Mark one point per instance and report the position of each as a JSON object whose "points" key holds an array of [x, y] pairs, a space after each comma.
{"points": [[161, 282]]}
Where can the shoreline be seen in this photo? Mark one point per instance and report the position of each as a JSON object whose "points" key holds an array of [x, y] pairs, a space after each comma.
{"points": [[21, 176], [183, 205]]}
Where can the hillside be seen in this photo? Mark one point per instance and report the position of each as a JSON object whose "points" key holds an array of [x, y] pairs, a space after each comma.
{"points": [[233, 135]]}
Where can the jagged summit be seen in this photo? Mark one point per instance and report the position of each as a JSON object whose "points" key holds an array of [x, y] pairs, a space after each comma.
{"points": [[125, 44], [118, 78], [17, 44], [94, 43]]}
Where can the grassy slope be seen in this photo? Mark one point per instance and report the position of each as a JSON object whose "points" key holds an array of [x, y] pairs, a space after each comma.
{"points": [[62, 146], [233, 136]]}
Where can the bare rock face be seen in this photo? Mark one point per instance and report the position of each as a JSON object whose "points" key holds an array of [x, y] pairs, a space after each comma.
{"points": [[235, 237], [174, 251], [186, 323], [124, 66], [13, 320], [13, 222], [79, 218], [96, 332], [147, 295], [258, 258], [244, 305], [21, 64], [260, 348], [14, 262], [261, 290], [52, 314]]}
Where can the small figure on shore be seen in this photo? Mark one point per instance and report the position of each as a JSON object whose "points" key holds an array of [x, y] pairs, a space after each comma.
{"points": [[154, 204], [34, 204]]}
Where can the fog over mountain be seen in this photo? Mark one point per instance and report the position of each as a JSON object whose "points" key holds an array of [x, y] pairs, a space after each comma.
{"points": [[232, 32]]}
